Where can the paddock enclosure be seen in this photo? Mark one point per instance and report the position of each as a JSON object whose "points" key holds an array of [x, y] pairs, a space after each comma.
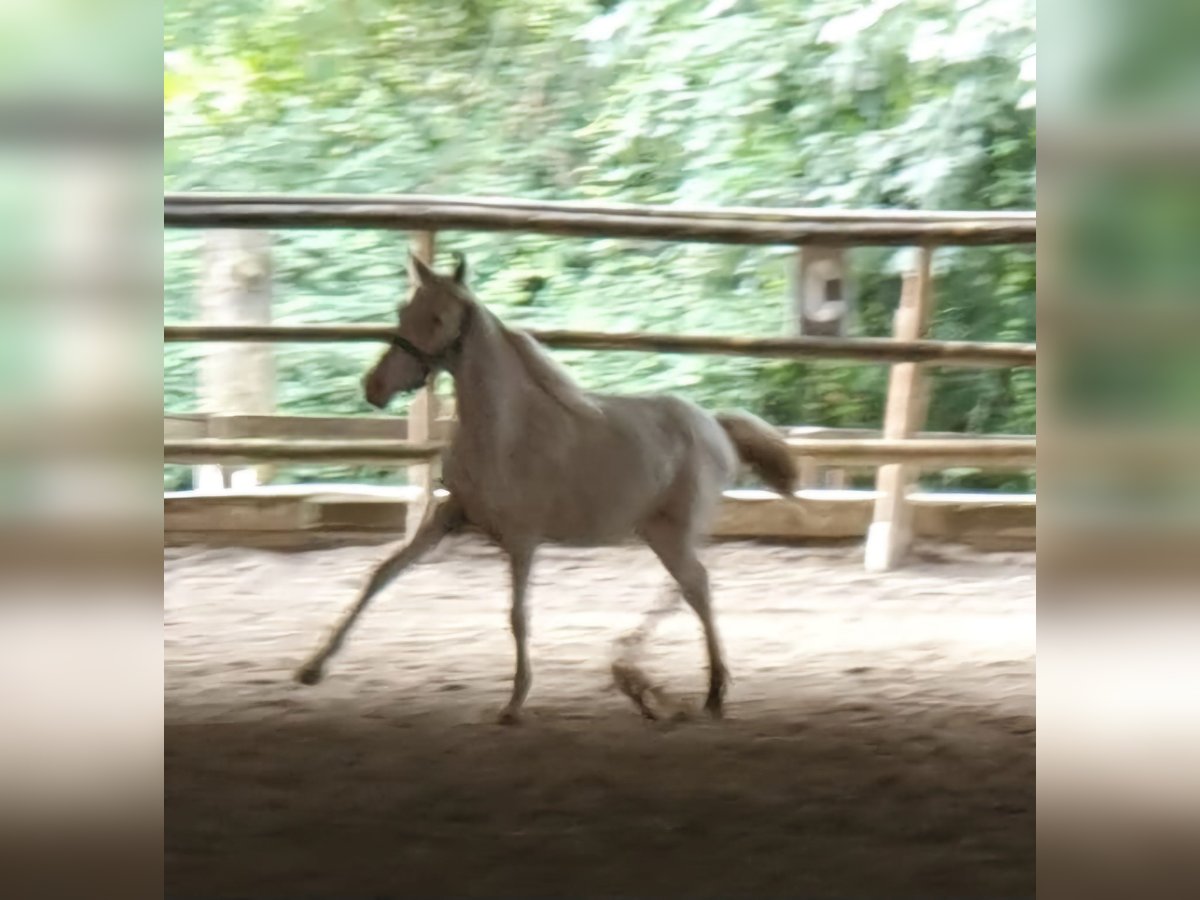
{"points": [[879, 738], [238, 428], [879, 731]]}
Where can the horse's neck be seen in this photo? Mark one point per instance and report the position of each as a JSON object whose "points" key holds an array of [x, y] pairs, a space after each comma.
{"points": [[506, 390], [492, 396]]}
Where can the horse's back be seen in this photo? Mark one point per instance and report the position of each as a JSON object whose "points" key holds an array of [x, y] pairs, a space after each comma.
{"points": [[677, 424]]}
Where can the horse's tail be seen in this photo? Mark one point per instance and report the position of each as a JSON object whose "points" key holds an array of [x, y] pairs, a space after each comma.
{"points": [[763, 449]]}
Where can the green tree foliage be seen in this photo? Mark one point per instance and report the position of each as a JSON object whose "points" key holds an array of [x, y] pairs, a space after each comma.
{"points": [[924, 104]]}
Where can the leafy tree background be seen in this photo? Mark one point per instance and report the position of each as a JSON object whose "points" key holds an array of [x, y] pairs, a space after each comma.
{"points": [[907, 104]]}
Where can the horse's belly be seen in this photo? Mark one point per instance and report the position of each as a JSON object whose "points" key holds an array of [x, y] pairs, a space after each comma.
{"points": [[599, 511], [564, 526], [597, 492]]}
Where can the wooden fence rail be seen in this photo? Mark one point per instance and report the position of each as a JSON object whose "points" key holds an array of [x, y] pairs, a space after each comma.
{"points": [[246, 451], [901, 451], [933, 453], [975, 354], [665, 226], [192, 426], [1025, 219]]}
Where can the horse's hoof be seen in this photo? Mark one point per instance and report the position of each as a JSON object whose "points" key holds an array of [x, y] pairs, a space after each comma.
{"points": [[309, 675]]}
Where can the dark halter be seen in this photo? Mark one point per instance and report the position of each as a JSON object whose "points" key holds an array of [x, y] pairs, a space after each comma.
{"points": [[438, 360]]}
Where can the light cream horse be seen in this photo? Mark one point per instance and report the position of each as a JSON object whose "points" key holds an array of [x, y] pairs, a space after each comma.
{"points": [[536, 459]]}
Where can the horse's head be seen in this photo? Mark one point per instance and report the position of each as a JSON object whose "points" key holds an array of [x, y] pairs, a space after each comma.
{"points": [[432, 321]]}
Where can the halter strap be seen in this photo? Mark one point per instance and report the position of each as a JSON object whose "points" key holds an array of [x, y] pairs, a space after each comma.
{"points": [[427, 362], [431, 361]]}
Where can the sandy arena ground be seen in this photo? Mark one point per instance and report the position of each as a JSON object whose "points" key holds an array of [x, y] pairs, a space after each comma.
{"points": [[879, 739]]}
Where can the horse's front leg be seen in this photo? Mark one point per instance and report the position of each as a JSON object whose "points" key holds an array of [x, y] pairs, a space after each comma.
{"points": [[441, 521], [521, 562]]}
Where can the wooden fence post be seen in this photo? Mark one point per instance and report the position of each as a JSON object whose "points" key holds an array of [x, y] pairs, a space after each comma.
{"points": [[235, 289], [422, 418], [820, 308], [890, 534], [820, 300]]}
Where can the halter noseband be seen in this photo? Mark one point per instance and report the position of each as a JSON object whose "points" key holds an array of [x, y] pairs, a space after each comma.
{"points": [[431, 361]]}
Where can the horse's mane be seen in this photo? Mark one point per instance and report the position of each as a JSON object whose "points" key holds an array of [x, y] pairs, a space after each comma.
{"points": [[549, 377]]}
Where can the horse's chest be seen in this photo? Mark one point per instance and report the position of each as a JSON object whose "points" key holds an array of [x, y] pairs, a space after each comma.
{"points": [[494, 493]]}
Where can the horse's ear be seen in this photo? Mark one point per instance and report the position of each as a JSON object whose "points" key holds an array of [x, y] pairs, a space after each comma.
{"points": [[419, 270], [460, 269]]}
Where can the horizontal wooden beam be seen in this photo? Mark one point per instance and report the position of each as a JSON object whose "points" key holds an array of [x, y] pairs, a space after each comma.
{"points": [[247, 451], [929, 453], [925, 453], [299, 516], [282, 427], [664, 225], [190, 426], [876, 350], [740, 213], [823, 432]]}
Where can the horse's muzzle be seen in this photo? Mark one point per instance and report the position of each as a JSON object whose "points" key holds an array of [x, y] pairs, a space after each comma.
{"points": [[375, 392]]}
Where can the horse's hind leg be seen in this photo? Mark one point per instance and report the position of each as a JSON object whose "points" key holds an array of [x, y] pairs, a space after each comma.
{"points": [[521, 561], [675, 546]]}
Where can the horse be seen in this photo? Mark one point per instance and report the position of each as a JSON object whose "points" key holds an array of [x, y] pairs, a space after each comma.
{"points": [[536, 459]]}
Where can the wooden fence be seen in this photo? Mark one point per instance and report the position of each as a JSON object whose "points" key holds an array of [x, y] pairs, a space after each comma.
{"points": [[898, 452]]}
